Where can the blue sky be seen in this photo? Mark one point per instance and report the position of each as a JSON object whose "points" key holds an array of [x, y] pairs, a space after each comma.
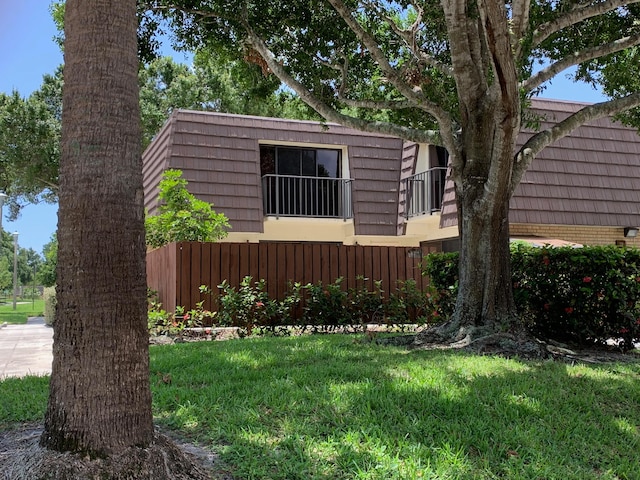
{"points": [[27, 52]]}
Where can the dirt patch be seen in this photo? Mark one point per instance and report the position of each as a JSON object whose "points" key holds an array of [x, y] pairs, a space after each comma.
{"points": [[169, 457]]}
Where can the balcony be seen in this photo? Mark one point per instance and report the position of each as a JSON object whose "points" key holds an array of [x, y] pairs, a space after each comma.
{"points": [[423, 192], [297, 196]]}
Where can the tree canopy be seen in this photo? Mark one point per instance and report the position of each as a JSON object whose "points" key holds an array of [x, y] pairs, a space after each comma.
{"points": [[217, 81], [29, 144]]}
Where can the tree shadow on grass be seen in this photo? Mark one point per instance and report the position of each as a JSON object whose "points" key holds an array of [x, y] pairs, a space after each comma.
{"points": [[326, 408]]}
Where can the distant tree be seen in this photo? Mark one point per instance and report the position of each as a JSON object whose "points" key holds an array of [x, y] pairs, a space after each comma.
{"points": [[28, 260], [29, 146], [6, 260], [47, 271], [183, 217]]}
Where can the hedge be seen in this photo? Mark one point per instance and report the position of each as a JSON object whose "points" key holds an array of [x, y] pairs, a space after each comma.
{"points": [[576, 295]]}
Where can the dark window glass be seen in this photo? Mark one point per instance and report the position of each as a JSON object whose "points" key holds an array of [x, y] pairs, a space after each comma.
{"points": [[328, 163], [288, 161], [309, 163], [320, 195]]}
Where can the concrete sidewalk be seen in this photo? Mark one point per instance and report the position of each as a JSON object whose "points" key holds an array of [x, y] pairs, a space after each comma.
{"points": [[26, 349]]}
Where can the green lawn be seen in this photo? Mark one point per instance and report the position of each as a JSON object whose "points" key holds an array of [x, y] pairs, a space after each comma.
{"points": [[328, 407], [24, 309]]}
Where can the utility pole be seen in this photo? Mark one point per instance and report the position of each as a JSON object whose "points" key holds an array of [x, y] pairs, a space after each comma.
{"points": [[15, 267]]}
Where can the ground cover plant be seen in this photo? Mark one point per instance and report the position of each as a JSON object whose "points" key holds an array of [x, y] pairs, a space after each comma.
{"points": [[23, 311], [342, 407]]}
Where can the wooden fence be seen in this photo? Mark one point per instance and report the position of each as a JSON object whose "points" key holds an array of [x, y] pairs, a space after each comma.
{"points": [[177, 270]]}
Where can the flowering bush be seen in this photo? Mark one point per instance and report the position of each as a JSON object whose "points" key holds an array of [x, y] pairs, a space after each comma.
{"points": [[250, 306], [582, 295]]}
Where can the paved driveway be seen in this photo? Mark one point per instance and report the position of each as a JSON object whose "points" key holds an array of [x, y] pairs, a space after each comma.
{"points": [[26, 349]]}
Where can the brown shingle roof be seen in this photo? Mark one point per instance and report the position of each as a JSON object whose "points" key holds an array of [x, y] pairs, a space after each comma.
{"points": [[591, 177]]}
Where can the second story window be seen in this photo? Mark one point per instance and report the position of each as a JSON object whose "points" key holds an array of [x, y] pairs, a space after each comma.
{"points": [[300, 162], [301, 181]]}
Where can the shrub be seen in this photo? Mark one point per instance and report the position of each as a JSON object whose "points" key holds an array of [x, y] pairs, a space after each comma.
{"points": [[581, 295], [49, 297], [410, 304], [326, 305], [250, 306], [183, 217]]}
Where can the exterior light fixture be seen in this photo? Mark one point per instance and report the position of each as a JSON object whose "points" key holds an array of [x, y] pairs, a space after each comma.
{"points": [[630, 232]]}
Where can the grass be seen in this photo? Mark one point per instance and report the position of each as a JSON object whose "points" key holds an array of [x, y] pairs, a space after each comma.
{"points": [[326, 407], [24, 309]]}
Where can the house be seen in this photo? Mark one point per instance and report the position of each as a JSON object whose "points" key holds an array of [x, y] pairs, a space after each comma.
{"points": [[289, 180]]}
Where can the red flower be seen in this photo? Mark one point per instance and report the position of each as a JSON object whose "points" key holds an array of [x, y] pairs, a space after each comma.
{"points": [[624, 330], [436, 314], [569, 309], [546, 306], [586, 279], [545, 260], [186, 316], [259, 304]]}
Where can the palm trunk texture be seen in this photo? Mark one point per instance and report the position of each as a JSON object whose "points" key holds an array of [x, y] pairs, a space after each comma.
{"points": [[100, 401]]}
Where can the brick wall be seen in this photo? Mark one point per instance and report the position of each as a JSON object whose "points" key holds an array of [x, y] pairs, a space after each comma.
{"points": [[579, 234]]}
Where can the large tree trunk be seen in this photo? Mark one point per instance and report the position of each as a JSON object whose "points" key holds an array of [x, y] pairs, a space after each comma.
{"points": [[100, 399], [482, 162]]}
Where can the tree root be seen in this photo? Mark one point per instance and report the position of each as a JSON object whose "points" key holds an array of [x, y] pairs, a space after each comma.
{"points": [[481, 340], [163, 460]]}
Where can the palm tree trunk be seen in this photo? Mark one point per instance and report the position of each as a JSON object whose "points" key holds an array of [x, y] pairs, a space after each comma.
{"points": [[100, 400]]}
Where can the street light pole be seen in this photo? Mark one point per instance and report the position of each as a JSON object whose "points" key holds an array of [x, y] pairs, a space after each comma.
{"points": [[15, 267], [2, 198]]}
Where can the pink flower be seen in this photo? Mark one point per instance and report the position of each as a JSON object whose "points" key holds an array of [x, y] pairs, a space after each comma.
{"points": [[186, 316], [259, 304], [207, 331], [586, 279]]}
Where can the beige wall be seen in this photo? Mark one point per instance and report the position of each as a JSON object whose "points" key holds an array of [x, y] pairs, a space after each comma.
{"points": [[289, 229], [419, 229]]}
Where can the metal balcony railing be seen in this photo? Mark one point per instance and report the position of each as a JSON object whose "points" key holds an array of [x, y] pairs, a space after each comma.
{"points": [[423, 192], [295, 196]]}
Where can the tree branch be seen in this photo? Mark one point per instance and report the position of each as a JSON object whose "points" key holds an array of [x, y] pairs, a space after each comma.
{"points": [[576, 15], [376, 104], [520, 20], [545, 138], [392, 75], [409, 36], [578, 57], [329, 113]]}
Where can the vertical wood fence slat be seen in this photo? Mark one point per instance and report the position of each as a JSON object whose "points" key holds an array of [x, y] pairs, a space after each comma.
{"points": [[254, 266], [205, 251], [177, 270], [196, 272]]}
